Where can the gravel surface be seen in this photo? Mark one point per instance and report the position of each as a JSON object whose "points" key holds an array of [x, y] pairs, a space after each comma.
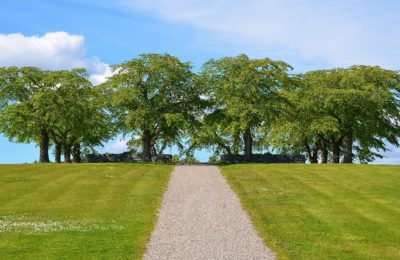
{"points": [[201, 218]]}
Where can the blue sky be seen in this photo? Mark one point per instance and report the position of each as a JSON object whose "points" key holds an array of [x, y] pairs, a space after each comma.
{"points": [[308, 34]]}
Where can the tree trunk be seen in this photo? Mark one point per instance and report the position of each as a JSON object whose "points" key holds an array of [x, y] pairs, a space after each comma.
{"points": [[348, 148], [146, 146], [67, 153], [335, 152], [248, 145], [44, 147], [308, 151], [77, 152], [324, 155], [58, 152], [236, 143], [314, 155]]}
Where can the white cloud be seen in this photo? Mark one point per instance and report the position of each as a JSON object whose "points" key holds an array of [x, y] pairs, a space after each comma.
{"points": [[116, 146], [101, 71], [338, 33], [53, 50]]}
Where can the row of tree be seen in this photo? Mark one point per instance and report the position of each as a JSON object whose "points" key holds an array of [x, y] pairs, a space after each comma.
{"points": [[232, 105], [58, 108]]}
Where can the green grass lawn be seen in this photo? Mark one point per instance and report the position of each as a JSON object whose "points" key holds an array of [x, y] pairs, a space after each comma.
{"points": [[76, 211], [322, 211]]}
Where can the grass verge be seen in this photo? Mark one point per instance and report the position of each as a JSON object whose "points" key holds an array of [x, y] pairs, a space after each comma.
{"points": [[322, 211], [85, 211]]}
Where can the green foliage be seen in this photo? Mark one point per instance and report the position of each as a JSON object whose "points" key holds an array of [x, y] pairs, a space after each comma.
{"points": [[190, 159], [175, 159], [24, 100], [234, 105], [213, 159], [360, 103], [78, 113], [153, 99], [244, 96], [61, 105]]}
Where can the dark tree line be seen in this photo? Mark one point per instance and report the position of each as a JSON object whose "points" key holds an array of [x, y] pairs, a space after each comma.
{"points": [[234, 105]]}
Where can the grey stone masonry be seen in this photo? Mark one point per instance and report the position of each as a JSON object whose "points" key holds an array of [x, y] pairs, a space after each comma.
{"points": [[264, 158], [124, 157]]}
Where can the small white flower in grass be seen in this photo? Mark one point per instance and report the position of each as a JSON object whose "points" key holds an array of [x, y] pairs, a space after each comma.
{"points": [[35, 225]]}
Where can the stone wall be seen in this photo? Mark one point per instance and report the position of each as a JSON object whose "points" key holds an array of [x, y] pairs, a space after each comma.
{"points": [[124, 157], [264, 158]]}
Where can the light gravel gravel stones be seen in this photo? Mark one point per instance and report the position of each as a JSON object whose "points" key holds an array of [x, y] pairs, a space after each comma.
{"points": [[201, 218]]}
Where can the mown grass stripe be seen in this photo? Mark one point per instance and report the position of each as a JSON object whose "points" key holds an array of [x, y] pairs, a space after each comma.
{"points": [[75, 193], [322, 211]]}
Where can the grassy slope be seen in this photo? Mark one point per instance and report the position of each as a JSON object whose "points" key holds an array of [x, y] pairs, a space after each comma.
{"points": [[79, 211], [322, 211]]}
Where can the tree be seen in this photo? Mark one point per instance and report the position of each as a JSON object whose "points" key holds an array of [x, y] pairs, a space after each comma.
{"points": [[363, 103], [298, 128], [153, 99], [215, 132], [334, 109], [24, 117], [244, 93], [52, 106], [78, 116]]}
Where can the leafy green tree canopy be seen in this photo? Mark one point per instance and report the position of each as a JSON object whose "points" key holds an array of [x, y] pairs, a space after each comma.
{"points": [[153, 99], [43, 106], [335, 109], [244, 93]]}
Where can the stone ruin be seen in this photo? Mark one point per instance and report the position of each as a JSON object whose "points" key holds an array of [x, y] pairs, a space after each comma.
{"points": [[124, 157], [264, 158]]}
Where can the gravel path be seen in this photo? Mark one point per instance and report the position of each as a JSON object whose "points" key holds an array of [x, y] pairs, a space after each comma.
{"points": [[201, 218]]}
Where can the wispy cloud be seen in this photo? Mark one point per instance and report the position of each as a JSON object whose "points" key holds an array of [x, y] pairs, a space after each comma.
{"points": [[53, 50], [335, 33]]}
